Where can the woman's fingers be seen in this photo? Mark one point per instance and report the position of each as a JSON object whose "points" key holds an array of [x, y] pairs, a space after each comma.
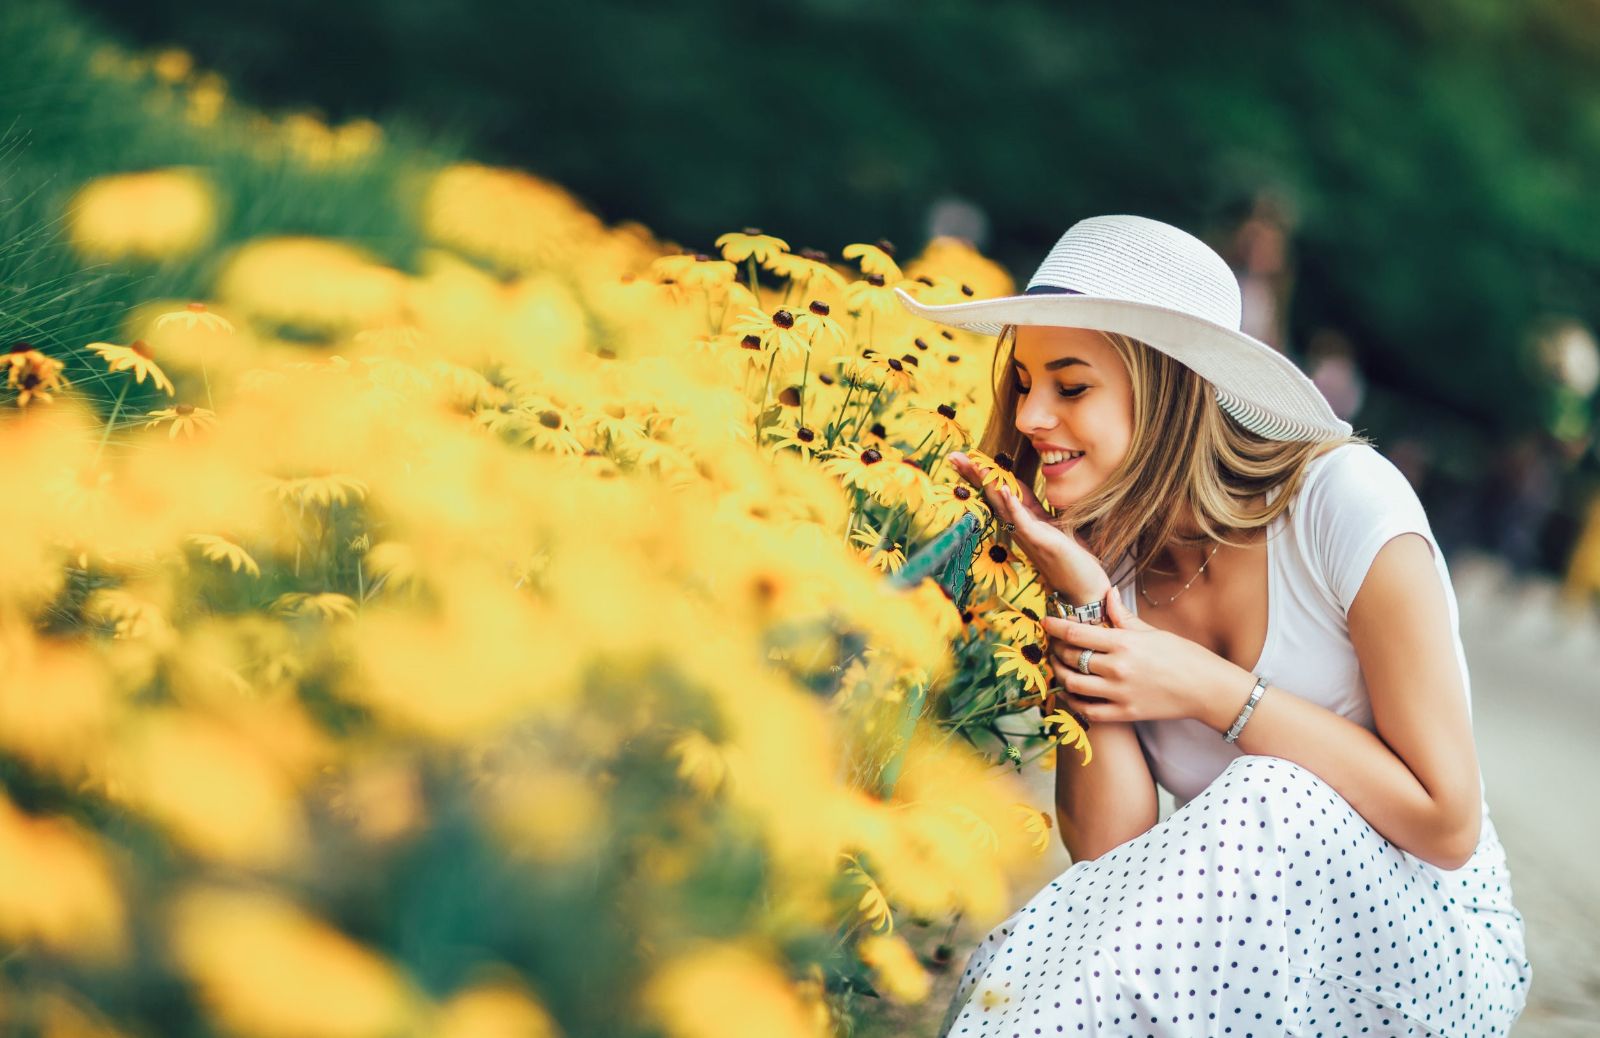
{"points": [[1078, 683], [1082, 635]]}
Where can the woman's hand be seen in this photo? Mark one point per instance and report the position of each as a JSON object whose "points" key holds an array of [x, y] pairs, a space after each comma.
{"points": [[1064, 563], [1137, 672]]}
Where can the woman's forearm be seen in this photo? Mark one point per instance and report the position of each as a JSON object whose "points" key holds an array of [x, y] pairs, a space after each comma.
{"points": [[1110, 800], [1442, 830]]}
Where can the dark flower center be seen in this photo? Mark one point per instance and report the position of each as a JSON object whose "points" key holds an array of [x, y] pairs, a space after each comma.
{"points": [[804, 435], [142, 348], [783, 319], [184, 409], [966, 290], [886, 245], [878, 430], [947, 411], [550, 419], [875, 280], [962, 494], [1032, 653], [871, 456], [751, 342], [919, 344], [790, 397], [997, 554], [752, 230], [820, 308], [21, 347]]}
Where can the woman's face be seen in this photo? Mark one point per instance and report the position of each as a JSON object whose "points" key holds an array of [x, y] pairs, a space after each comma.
{"points": [[1073, 395]]}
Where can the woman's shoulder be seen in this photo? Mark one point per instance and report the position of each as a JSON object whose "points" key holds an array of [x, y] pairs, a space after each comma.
{"points": [[1353, 471]]}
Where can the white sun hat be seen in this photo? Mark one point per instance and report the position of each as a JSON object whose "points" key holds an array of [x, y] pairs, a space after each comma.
{"points": [[1165, 287]]}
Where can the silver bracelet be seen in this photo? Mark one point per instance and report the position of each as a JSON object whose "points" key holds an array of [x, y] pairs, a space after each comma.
{"points": [[1249, 708]]}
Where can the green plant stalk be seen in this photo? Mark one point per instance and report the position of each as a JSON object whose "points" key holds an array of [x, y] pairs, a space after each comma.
{"points": [[116, 408]]}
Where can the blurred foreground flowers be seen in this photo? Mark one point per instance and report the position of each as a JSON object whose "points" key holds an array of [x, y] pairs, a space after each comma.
{"points": [[503, 646]]}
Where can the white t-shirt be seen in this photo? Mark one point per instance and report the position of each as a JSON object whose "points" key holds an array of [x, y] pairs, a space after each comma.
{"points": [[1351, 502]]}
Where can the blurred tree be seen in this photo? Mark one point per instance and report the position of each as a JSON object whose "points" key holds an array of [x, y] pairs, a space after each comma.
{"points": [[1437, 154]]}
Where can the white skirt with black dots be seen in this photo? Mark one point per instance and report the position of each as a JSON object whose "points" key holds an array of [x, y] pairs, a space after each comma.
{"points": [[1266, 906]]}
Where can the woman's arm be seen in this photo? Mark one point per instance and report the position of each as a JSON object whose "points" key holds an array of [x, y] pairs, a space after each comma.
{"points": [[1110, 800], [1416, 780]]}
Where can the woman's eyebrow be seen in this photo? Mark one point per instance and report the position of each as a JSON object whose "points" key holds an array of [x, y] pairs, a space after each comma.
{"points": [[1059, 362]]}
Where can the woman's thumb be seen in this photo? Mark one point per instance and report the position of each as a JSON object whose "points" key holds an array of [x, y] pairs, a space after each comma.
{"points": [[1116, 612]]}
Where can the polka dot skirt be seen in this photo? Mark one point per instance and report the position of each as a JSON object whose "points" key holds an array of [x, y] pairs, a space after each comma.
{"points": [[1264, 906]]}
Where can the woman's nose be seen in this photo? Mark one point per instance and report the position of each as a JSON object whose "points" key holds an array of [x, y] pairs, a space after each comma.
{"points": [[1033, 417]]}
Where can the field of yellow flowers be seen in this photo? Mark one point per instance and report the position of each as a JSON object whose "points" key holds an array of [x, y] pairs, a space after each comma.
{"points": [[514, 636]]}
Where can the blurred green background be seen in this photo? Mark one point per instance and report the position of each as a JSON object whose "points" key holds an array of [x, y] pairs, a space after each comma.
{"points": [[1408, 186]]}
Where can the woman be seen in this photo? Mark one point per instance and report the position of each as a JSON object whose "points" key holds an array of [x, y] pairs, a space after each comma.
{"points": [[1280, 651]]}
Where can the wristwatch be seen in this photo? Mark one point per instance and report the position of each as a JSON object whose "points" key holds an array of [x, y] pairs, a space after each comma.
{"points": [[1093, 613]]}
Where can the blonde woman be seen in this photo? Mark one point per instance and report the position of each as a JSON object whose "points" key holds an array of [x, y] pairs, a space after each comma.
{"points": [[1253, 613]]}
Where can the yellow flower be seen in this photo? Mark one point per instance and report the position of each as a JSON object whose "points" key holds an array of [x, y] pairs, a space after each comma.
{"points": [[875, 259], [1036, 822], [895, 968], [1023, 661], [993, 569], [694, 270], [737, 247], [874, 906], [777, 333], [151, 215], [857, 467], [136, 358], [321, 490], [195, 315], [995, 470], [815, 320], [220, 549], [1069, 732], [327, 604], [892, 373], [802, 439], [185, 418], [700, 762], [871, 293], [805, 267], [32, 374], [942, 421]]}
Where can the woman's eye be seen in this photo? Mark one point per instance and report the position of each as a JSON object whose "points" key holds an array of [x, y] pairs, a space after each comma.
{"points": [[1061, 391]]}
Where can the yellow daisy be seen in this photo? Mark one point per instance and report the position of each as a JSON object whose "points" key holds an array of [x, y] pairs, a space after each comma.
{"points": [[1025, 662], [195, 315], [872, 292], [32, 374], [220, 549], [326, 604], [815, 321], [1069, 733], [1037, 823], [857, 467], [805, 267], [738, 246], [993, 569], [776, 333], [801, 438], [996, 470], [185, 418], [875, 259], [136, 358]]}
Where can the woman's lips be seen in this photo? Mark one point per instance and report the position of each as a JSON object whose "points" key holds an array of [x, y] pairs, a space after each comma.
{"points": [[1059, 467]]}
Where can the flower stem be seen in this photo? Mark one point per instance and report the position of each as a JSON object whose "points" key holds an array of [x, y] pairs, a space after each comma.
{"points": [[116, 408], [765, 387], [867, 409]]}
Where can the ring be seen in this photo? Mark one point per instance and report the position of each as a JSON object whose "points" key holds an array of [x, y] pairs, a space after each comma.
{"points": [[1083, 660], [1008, 527]]}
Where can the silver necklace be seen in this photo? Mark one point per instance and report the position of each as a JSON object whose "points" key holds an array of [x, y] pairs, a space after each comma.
{"points": [[1185, 587]]}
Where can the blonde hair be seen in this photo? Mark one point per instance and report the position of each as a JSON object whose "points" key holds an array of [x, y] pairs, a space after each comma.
{"points": [[1185, 450]]}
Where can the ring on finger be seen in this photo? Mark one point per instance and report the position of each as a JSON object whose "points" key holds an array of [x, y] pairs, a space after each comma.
{"points": [[1008, 527], [1083, 661]]}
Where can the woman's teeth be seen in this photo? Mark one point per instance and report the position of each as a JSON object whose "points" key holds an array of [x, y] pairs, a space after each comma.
{"points": [[1051, 457]]}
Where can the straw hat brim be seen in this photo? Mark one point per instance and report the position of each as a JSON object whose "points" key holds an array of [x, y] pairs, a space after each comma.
{"points": [[1277, 398]]}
